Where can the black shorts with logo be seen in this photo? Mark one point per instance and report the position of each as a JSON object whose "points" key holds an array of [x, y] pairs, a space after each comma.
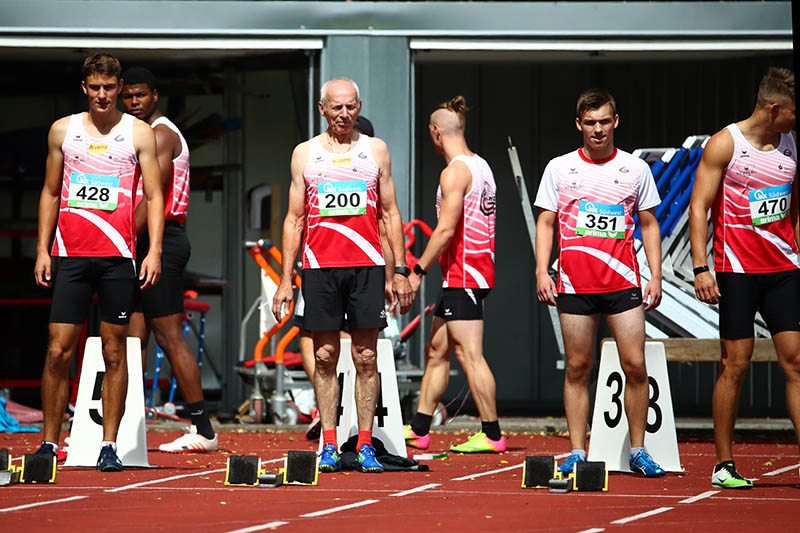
{"points": [[165, 297], [775, 295], [461, 304], [77, 279], [330, 293], [607, 303]]}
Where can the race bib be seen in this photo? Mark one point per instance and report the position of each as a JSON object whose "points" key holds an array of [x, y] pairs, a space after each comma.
{"points": [[93, 191], [601, 220], [342, 198], [770, 204]]}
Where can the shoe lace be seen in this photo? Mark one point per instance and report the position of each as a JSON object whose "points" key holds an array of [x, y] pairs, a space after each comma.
{"points": [[731, 470], [572, 459], [643, 458], [367, 451]]}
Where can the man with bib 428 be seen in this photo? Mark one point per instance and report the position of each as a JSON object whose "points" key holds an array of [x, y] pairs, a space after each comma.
{"points": [[747, 177], [594, 193], [339, 180], [94, 163]]}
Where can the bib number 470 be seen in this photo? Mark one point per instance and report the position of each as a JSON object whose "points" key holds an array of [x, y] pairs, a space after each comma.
{"points": [[615, 382]]}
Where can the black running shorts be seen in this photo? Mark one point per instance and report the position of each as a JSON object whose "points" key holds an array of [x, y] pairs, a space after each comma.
{"points": [[607, 303], [165, 297], [461, 304], [330, 293], [775, 295], [77, 279]]}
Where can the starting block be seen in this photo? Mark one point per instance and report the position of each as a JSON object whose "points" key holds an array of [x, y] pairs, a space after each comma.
{"points": [[35, 468], [539, 472], [299, 468]]}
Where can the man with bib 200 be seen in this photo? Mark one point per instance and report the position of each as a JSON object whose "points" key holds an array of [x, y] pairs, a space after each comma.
{"points": [[93, 167], [747, 176], [594, 193], [463, 242], [160, 308], [339, 180]]}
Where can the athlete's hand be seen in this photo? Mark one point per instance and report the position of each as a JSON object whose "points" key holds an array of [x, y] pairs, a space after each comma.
{"points": [[151, 271], [388, 294], [402, 290], [652, 294], [415, 281], [282, 301], [42, 271], [546, 289], [706, 289]]}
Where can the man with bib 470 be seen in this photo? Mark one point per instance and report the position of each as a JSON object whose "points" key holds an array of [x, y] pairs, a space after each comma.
{"points": [[339, 180], [594, 192], [94, 163], [747, 177]]}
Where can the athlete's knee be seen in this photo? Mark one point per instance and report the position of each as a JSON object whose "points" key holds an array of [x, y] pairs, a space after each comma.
{"points": [[325, 359], [734, 370], [365, 359], [791, 367], [172, 342], [577, 369], [59, 357], [635, 371]]}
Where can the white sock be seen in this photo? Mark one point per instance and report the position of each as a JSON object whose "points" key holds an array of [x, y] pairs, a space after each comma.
{"points": [[582, 453], [636, 450]]}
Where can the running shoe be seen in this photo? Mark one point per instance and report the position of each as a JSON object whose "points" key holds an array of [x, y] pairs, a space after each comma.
{"points": [[725, 476], [191, 442], [480, 443], [366, 459], [108, 460], [642, 462], [329, 459], [416, 441], [569, 463], [46, 448], [315, 427]]}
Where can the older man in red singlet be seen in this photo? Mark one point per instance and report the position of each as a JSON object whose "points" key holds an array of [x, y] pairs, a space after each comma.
{"points": [[340, 179], [93, 165], [747, 176]]}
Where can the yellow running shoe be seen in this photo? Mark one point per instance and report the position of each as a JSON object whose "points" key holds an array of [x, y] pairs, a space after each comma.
{"points": [[480, 443]]}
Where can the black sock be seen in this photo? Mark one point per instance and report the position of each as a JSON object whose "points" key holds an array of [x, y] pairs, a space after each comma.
{"points": [[199, 416], [492, 429], [421, 424]]}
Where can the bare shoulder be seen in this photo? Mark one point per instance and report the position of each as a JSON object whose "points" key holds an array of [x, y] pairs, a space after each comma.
{"points": [[165, 133], [719, 148], [380, 150], [456, 176], [300, 152], [58, 130], [142, 132]]}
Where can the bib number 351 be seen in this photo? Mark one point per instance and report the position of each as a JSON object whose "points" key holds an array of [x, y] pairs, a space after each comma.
{"points": [[615, 383]]}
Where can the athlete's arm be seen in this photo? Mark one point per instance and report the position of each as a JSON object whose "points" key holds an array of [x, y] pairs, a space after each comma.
{"points": [[716, 156], [393, 223], [455, 181], [651, 238], [144, 140], [545, 227], [794, 208], [167, 141], [49, 201], [388, 257], [292, 229]]}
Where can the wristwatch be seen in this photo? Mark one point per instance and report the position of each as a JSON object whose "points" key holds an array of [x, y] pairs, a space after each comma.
{"points": [[700, 269], [419, 271], [402, 270]]}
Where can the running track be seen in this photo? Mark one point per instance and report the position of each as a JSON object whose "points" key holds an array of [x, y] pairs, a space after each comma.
{"points": [[462, 493]]}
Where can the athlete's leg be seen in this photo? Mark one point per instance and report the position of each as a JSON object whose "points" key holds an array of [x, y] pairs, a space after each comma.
{"points": [[55, 378], [307, 352], [138, 328], [368, 382], [578, 332], [736, 354], [326, 382], [628, 330], [787, 344], [437, 368], [467, 339], [115, 382], [169, 335]]}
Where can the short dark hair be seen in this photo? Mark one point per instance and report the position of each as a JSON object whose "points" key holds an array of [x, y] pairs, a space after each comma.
{"points": [[777, 85], [594, 99], [101, 63], [365, 126], [138, 74]]}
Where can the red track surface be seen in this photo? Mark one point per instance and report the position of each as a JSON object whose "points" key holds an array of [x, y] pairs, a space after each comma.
{"points": [[85, 500]]}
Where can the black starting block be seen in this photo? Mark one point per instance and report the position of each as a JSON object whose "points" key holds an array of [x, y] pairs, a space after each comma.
{"points": [[587, 476], [300, 468], [35, 468], [537, 471]]}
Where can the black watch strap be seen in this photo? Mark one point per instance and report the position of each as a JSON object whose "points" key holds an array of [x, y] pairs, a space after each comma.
{"points": [[402, 270], [700, 269], [418, 270]]}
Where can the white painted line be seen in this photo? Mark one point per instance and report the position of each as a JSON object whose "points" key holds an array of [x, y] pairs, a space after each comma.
{"points": [[418, 489], [261, 527], [38, 504], [162, 480], [642, 515], [703, 496], [782, 470], [337, 509], [499, 470], [593, 530]]}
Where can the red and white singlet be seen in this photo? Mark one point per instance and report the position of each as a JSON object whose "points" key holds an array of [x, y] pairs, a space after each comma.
{"points": [[100, 176], [341, 207], [176, 197], [469, 260], [752, 228], [595, 202]]}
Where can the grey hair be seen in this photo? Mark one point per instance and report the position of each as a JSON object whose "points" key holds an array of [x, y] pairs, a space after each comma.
{"points": [[323, 92]]}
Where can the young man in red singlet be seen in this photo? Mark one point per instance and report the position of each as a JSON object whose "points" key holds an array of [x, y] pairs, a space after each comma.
{"points": [[86, 209], [160, 308], [340, 179], [747, 177], [463, 243]]}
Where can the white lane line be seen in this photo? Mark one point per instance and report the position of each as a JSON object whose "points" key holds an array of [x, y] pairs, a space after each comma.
{"points": [[38, 504], [499, 470], [703, 496], [593, 530], [337, 509], [417, 489], [642, 515], [782, 470], [261, 527]]}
